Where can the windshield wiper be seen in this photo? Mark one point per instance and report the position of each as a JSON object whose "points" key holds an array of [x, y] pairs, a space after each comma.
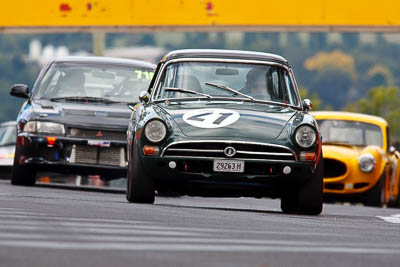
{"points": [[230, 90], [182, 90], [83, 99]]}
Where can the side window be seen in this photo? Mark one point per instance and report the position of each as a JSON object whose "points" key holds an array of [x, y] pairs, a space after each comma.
{"points": [[290, 89], [166, 80], [275, 83]]}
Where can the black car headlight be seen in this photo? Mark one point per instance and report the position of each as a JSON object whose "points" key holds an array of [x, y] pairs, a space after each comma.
{"points": [[305, 136], [155, 131], [366, 163], [44, 127]]}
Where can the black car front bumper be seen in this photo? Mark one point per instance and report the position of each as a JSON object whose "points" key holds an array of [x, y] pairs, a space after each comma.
{"points": [[196, 177], [73, 155]]}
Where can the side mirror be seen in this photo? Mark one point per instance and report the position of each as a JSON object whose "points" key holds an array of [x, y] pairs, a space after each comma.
{"points": [[307, 105], [20, 90], [144, 97]]}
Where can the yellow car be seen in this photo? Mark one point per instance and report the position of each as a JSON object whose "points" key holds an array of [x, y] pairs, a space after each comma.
{"points": [[360, 163]]}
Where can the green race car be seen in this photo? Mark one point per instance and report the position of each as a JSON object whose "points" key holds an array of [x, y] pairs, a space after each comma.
{"points": [[224, 123]]}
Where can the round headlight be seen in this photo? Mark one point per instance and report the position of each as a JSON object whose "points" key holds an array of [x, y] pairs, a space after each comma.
{"points": [[366, 162], [305, 136], [155, 131]]}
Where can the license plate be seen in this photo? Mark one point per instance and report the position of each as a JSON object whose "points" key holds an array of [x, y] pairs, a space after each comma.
{"points": [[99, 143], [228, 166]]}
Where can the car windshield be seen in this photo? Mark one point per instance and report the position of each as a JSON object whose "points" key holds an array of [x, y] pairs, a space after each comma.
{"points": [[8, 135], [227, 79], [112, 83], [350, 132]]}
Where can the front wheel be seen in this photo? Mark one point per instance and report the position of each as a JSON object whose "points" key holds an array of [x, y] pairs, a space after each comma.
{"points": [[22, 174], [376, 195], [140, 187], [310, 196], [289, 200]]}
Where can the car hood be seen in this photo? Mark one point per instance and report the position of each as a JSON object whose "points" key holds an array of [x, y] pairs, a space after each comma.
{"points": [[341, 152], [230, 120], [98, 115]]}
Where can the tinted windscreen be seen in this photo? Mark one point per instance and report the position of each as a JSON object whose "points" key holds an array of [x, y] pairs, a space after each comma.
{"points": [[116, 83], [262, 82], [350, 132], [8, 135]]}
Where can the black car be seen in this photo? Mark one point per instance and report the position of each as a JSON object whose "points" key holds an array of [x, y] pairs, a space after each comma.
{"points": [[76, 117], [225, 123]]}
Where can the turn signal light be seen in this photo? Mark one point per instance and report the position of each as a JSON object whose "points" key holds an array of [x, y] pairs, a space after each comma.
{"points": [[151, 150], [307, 156], [51, 140]]}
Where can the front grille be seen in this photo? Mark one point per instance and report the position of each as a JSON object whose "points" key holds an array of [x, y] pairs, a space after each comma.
{"points": [[49, 153], [334, 186], [334, 168], [97, 134], [215, 149], [114, 156], [360, 185], [86, 154]]}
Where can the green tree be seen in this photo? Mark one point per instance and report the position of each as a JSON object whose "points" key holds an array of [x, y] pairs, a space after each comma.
{"points": [[381, 101], [316, 101], [332, 77]]}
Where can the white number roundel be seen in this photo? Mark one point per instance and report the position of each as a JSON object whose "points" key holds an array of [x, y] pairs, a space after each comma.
{"points": [[211, 118]]}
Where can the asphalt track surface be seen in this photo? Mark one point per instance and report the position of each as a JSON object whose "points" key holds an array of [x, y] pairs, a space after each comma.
{"points": [[41, 226]]}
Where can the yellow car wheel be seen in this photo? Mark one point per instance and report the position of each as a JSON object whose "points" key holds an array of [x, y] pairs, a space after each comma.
{"points": [[376, 195]]}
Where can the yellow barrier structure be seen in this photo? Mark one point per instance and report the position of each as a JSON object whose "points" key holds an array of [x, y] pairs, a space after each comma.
{"points": [[201, 15]]}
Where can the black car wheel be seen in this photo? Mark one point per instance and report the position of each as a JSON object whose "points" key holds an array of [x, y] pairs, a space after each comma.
{"points": [[310, 199], [376, 195], [22, 174], [140, 187], [289, 201]]}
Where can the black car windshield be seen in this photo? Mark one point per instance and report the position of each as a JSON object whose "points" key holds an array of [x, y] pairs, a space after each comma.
{"points": [[229, 80], [350, 132], [74, 81], [8, 135]]}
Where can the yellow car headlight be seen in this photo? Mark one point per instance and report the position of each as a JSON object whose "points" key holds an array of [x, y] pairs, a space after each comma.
{"points": [[366, 163]]}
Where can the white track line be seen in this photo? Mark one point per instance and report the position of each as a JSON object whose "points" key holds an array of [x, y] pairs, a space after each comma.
{"points": [[395, 218]]}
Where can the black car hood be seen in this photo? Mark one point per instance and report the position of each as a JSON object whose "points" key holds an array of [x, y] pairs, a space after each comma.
{"points": [[244, 120], [83, 114]]}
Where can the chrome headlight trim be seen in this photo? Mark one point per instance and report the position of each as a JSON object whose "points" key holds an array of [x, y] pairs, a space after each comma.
{"points": [[366, 162], [44, 127], [305, 136], [155, 130]]}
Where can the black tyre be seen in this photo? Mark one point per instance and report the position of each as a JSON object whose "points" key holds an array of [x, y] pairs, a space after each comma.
{"points": [[375, 197], [22, 174], [310, 199], [289, 201], [140, 187], [396, 203]]}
